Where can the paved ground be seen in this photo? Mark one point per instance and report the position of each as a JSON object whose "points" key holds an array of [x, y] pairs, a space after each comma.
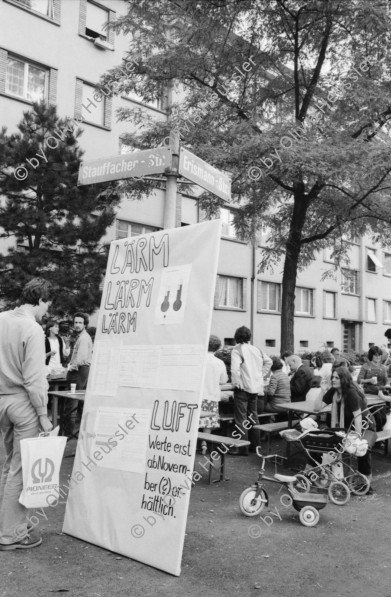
{"points": [[347, 554]]}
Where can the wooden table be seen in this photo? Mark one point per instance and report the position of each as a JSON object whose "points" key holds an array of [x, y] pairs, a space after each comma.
{"points": [[78, 395], [56, 382]]}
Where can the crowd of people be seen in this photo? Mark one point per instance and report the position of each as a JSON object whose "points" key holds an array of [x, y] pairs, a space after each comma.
{"points": [[263, 384], [260, 384]]}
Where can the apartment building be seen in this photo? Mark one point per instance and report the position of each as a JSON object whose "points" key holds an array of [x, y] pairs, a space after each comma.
{"points": [[57, 50]]}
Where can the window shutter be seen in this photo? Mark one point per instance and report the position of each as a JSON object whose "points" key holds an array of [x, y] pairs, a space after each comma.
{"points": [[57, 11], [110, 31], [52, 87], [259, 296], [78, 98], [219, 283], [83, 17], [3, 69], [244, 287], [108, 110]]}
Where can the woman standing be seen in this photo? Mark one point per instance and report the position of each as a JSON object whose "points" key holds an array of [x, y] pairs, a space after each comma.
{"points": [[347, 405], [56, 349], [373, 375]]}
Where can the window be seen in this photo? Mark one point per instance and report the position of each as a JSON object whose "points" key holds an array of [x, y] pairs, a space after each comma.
{"points": [[329, 305], [270, 343], [159, 102], [330, 343], [228, 228], [92, 111], [264, 235], [387, 311], [304, 301], [387, 264], [26, 80], [351, 238], [44, 7], [303, 343], [269, 297], [124, 229], [96, 21], [92, 105], [349, 283], [371, 309], [372, 261], [229, 292], [328, 254]]}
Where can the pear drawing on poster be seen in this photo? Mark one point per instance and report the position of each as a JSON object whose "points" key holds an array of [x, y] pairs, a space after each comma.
{"points": [[171, 303]]}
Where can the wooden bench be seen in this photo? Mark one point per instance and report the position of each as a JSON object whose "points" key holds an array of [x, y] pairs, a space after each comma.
{"points": [[226, 418], [270, 428], [384, 436], [229, 442]]}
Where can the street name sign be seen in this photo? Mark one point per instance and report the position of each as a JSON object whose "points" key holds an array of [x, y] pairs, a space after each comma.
{"points": [[203, 174], [129, 165]]}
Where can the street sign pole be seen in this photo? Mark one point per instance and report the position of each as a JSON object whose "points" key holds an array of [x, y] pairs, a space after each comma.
{"points": [[170, 203]]}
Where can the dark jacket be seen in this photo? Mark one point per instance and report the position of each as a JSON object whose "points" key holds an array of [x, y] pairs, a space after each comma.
{"points": [[301, 382], [48, 349]]}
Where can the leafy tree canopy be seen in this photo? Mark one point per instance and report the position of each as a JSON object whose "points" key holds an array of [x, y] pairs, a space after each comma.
{"points": [[55, 226], [291, 97]]}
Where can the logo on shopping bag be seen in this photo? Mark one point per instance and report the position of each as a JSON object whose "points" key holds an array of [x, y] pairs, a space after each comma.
{"points": [[42, 470]]}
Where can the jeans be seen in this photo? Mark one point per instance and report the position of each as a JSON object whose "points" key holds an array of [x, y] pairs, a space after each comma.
{"points": [[80, 378], [245, 409], [18, 420]]}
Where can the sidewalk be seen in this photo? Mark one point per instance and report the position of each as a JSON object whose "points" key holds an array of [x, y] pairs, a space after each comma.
{"points": [[225, 553]]}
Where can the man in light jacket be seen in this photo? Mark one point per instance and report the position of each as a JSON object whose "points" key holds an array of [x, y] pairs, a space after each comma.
{"points": [[249, 366], [23, 404]]}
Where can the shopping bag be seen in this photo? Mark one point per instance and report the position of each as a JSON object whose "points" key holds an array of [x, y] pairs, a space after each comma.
{"points": [[41, 462]]}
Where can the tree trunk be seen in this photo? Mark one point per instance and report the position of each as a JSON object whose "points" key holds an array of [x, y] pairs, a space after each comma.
{"points": [[292, 255]]}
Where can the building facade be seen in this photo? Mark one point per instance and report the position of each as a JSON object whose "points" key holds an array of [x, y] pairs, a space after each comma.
{"points": [[58, 50]]}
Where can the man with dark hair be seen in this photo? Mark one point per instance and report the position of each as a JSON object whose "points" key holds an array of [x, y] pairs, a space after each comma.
{"points": [[249, 366], [23, 404], [336, 353], [78, 368]]}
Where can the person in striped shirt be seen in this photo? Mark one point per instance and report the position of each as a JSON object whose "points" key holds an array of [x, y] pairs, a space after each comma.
{"points": [[279, 390]]}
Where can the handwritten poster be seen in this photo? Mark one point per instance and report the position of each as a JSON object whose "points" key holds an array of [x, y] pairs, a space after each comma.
{"points": [[133, 469]]}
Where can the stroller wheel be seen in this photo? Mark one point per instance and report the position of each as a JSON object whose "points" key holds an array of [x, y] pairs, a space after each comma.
{"points": [[252, 504], [309, 516], [339, 493], [321, 479], [358, 483], [302, 484]]}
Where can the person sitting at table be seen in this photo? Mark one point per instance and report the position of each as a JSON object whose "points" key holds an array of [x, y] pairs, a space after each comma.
{"points": [[346, 410], [55, 347], [324, 372], [373, 375], [279, 389], [301, 380], [215, 374]]}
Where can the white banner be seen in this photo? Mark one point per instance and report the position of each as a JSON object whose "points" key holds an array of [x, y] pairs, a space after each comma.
{"points": [[131, 480]]}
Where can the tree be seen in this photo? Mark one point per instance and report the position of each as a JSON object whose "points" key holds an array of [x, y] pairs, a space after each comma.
{"points": [[56, 226], [289, 96]]}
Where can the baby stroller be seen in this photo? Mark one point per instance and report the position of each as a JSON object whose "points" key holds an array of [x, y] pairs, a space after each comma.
{"points": [[330, 466]]}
